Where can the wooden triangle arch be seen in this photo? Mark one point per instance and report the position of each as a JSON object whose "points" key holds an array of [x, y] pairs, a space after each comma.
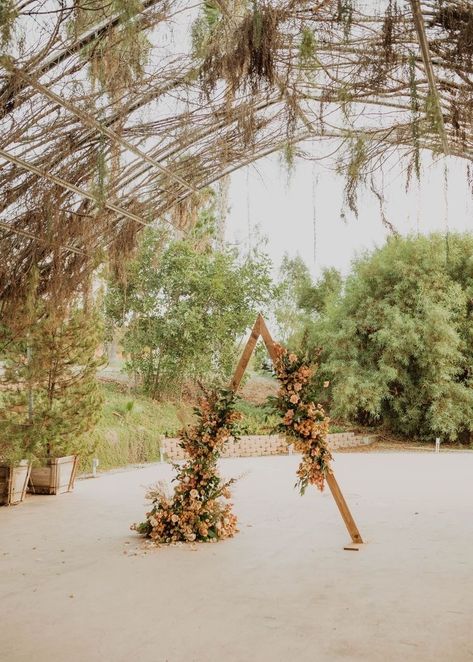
{"points": [[261, 330]]}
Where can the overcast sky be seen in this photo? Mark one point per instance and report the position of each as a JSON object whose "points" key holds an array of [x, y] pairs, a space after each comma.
{"points": [[261, 196]]}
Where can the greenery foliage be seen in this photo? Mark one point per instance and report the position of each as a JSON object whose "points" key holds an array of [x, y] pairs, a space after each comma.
{"points": [[317, 297], [298, 301], [256, 419]]}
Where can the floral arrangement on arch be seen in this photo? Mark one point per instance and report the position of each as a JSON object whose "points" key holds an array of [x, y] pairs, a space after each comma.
{"points": [[196, 511], [304, 422]]}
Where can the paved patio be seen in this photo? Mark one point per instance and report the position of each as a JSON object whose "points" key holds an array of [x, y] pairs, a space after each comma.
{"points": [[77, 586]]}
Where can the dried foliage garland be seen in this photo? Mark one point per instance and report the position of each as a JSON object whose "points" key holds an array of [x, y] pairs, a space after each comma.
{"points": [[304, 422], [196, 512]]}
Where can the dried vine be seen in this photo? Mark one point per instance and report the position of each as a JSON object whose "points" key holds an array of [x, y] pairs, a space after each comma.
{"points": [[259, 78]]}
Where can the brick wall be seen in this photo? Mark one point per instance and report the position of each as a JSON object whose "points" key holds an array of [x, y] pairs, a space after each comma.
{"points": [[255, 445]]}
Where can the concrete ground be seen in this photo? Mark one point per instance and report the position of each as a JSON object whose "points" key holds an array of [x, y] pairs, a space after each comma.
{"points": [[77, 586]]}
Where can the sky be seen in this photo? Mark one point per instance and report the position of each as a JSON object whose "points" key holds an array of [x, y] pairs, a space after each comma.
{"points": [[262, 199]]}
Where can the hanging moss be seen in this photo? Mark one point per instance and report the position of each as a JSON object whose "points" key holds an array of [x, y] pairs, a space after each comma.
{"points": [[253, 55], [345, 16], [245, 60], [204, 28], [101, 180], [117, 57], [456, 18], [354, 171], [433, 117], [391, 19], [289, 158], [87, 14], [469, 177], [415, 123], [345, 98], [8, 15], [308, 48]]}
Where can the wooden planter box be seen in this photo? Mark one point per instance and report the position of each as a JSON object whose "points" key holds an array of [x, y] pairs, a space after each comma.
{"points": [[56, 477], [13, 482]]}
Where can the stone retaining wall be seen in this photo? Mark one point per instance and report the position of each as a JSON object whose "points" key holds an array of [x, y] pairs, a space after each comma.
{"points": [[255, 445]]}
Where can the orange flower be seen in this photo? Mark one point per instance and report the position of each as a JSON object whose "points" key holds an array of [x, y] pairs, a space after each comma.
{"points": [[288, 417]]}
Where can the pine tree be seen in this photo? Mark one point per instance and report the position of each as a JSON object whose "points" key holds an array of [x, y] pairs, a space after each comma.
{"points": [[51, 397]]}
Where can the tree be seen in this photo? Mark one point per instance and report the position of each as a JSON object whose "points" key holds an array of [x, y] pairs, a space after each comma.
{"points": [[294, 281], [51, 396], [398, 345], [300, 304], [184, 305], [316, 298]]}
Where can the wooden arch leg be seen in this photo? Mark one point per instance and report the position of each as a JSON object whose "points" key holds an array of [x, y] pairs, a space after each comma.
{"points": [[246, 355], [343, 508]]}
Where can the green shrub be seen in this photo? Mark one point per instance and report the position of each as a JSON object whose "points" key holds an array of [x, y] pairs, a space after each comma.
{"points": [[398, 345], [131, 428], [257, 419]]}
